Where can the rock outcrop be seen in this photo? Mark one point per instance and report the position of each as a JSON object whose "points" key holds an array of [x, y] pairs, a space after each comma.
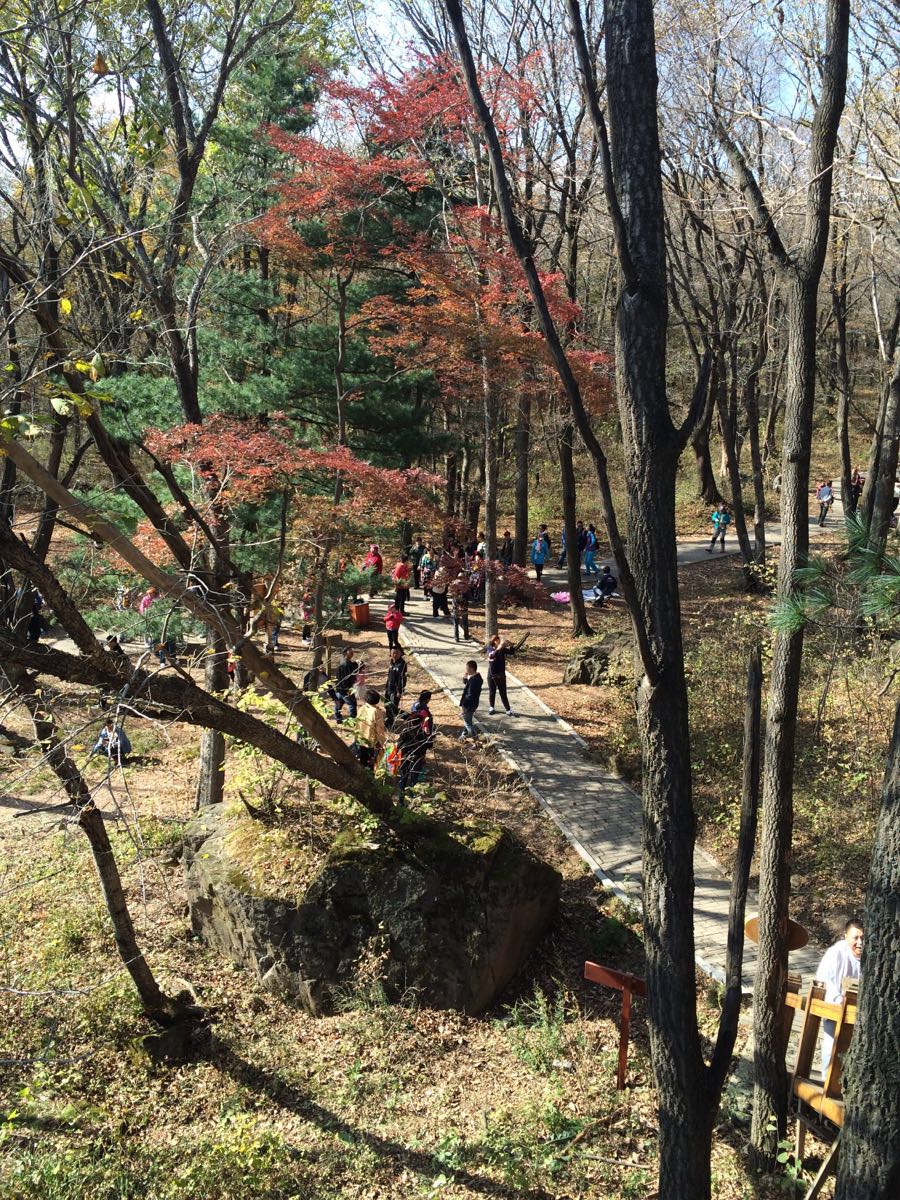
{"points": [[611, 660], [448, 912]]}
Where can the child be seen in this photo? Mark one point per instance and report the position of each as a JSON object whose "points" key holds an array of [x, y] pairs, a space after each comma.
{"points": [[472, 685], [393, 619], [721, 519]]}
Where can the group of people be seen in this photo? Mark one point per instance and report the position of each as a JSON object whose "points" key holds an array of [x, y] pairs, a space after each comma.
{"points": [[587, 545]]}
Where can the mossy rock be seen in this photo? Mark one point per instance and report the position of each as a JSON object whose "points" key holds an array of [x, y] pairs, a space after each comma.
{"points": [[448, 912]]}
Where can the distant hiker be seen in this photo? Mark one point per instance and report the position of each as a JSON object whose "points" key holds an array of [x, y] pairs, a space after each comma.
{"points": [[361, 686], [590, 549], [539, 554], [344, 691], [498, 649], [410, 745], [721, 519], [461, 606], [415, 554], [426, 570], [36, 622], [506, 550], [856, 487], [395, 686], [149, 597], [472, 685], [112, 741], [825, 497], [401, 576], [561, 561], [374, 564], [439, 585], [544, 533], [370, 730], [604, 587], [393, 619]]}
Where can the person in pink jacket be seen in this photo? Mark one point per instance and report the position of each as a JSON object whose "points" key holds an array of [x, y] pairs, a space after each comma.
{"points": [[393, 619]]}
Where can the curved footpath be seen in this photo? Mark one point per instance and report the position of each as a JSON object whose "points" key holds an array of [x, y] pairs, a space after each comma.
{"points": [[597, 812]]}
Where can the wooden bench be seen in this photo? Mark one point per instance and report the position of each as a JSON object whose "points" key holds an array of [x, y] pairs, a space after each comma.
{"points": [[819, 1103]]}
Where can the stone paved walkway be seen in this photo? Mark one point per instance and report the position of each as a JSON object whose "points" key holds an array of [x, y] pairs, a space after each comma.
{"points": [[596, 811]]}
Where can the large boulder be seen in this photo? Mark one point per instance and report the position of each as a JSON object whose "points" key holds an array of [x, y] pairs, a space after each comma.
{"points": [[450, 912], [611, 660]]}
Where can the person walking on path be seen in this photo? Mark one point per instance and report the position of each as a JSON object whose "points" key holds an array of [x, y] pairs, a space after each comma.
{"points": [[825, 497], [344, 691], [395, 686], [393, 619], [401, 577], [590, 549], [721, 519], [856, 487], [439, 585], [507, 549], [414, 554], [461, 607], [498, 649], [839, 962], [539, 555], [374, 563], [472, 685]]}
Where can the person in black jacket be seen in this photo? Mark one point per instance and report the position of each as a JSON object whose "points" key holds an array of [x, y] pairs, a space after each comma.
{"points": [[344, 686], [414, 554], [498, 648], [472, 685], [395, 686]]}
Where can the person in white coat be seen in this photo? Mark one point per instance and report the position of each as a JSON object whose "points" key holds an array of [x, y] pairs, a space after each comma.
{"points": [[839, 962]]}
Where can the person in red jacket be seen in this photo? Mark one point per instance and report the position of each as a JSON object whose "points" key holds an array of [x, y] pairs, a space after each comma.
{"points": [[393, 619], [373, 561], [401, 576]]}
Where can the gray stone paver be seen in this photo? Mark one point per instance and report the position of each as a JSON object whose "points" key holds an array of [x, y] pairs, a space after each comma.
{"points": [[596, 811]]}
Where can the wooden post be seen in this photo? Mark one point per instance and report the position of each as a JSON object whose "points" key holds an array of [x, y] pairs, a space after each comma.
{"points": [[628, 985]]}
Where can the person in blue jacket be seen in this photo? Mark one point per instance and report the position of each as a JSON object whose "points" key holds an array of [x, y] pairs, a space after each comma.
{"points": [[540, 552]]}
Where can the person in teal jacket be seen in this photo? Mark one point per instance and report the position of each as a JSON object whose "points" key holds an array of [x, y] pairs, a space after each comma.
{"points": [[721, 519], [540, 552]]}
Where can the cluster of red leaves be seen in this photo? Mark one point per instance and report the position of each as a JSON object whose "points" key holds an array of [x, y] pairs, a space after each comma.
{"points": [[246, 460]]}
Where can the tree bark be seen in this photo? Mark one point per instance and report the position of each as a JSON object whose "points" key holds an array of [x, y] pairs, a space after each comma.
{"points": [[580, 624], [707, 485], [882, 484], [869, 1162], [156, 1004], [523, 444]]}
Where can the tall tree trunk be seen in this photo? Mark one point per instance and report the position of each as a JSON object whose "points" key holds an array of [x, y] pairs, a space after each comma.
{"points": [[751, 407], [881, 485], [869, 1162], [801, 272], [842, 369], [580, 623], [707, 487], [491, 467], [523, 445], [728, 424]]}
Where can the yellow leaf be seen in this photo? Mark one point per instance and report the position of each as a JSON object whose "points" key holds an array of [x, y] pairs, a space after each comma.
{"points": [[65, 306], [82, 366], [120, 275], [136, 315]]}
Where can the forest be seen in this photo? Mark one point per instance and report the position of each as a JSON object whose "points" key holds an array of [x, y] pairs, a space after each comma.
{"points": [[561, 333]]}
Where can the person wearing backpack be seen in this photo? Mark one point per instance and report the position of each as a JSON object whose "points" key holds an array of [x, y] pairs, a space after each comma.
{"points": [[721, 519], [395, 686], [472, 685]]}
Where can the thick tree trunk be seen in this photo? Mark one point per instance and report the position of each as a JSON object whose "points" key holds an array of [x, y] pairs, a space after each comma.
{"points": [[580, 624], [770, 1086], [751, 407], [869, 1162], [523, 444], [880, 487]]}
